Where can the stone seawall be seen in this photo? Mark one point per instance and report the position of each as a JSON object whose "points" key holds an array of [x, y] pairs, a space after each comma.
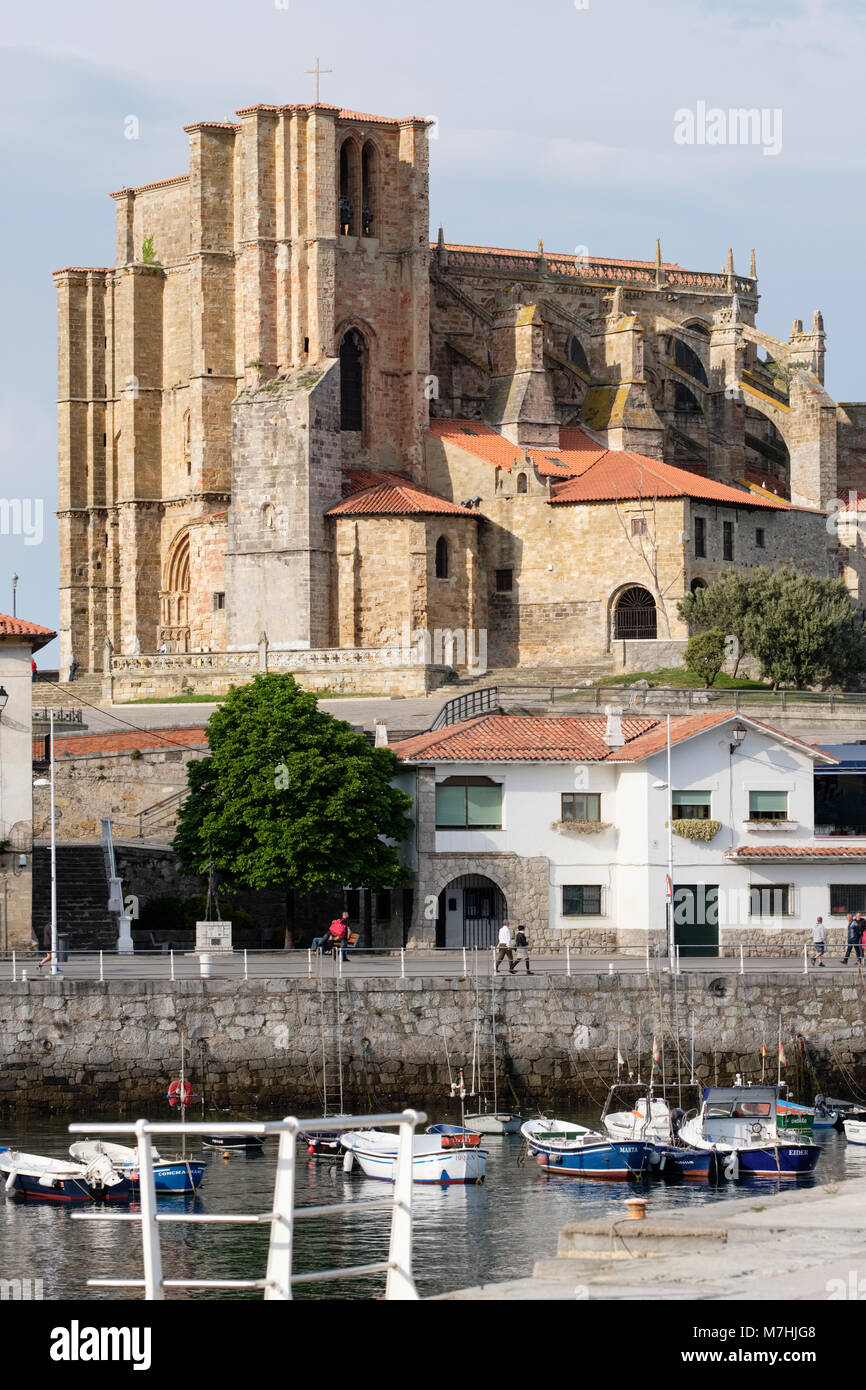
{"points": [[80, 1047]]}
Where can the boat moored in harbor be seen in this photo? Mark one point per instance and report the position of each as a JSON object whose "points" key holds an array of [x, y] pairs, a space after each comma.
{"points": [[175, 1175], [432, 1161], [739, 1124], [31, 1176], [572, 1151]]}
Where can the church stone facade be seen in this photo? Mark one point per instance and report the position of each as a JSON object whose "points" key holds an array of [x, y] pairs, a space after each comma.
{"points": [[289, 422]]}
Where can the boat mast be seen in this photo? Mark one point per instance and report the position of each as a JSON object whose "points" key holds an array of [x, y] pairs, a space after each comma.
{"points": [[493, 1040]]}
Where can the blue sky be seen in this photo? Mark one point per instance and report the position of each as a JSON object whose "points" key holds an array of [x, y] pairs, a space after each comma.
{"points": [[553, 121]]}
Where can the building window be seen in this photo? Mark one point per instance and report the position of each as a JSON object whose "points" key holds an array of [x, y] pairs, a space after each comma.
{"points": [[688, 361], [369, 191], [521, 482], [847, 897], [219, 601], [700, 538], [768, 805], [635, 616], [775, 901], [352, 382], [759, 537], [638, 526], [442, 558], [581, 806], [383, 905], [691, 805], [727, 540], [468, 803], [581, 900], [504, 581]]}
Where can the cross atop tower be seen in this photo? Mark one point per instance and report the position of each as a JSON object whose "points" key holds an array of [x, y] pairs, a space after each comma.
{"points": [[316, 72]]}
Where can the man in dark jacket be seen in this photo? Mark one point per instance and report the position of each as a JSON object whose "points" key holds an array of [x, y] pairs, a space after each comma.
{"points": [[855, 936]]}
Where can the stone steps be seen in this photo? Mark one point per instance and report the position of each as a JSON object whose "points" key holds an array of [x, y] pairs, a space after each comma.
{"points": [[82, 896], [67, 695]]}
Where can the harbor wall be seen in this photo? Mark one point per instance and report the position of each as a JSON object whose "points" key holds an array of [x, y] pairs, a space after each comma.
{"points": [[81, 1047]]}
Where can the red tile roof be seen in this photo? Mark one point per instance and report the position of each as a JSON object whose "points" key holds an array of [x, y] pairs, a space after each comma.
{"points": [[16, 627], [143, 187], [378, 492], [591, 472], [166, 739], [797, 852], [84, 270], [557, 256], [567, 738]]}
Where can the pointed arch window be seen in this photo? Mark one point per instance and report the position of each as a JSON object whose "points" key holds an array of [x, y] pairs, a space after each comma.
{"points": [[442, 558], [369, 190], [352, 355], [350, 191], [688, 361]]}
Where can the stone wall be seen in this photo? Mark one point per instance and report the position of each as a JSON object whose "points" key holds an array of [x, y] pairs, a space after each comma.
{"points": [[84, 1047]]}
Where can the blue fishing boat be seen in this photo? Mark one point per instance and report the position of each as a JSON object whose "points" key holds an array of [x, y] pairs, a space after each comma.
{"points": [[676, 1162], [739, 1125], [175, 1175], [571, 1151], [34, 1178]]}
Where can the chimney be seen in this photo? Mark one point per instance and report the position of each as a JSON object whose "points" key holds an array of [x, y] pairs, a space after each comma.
{"points": [[381, 728], [613, 734]]}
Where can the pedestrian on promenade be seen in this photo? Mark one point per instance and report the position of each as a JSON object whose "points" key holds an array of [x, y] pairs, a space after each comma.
{"points": [[521, 951], [855, 936], [504, 950], [819, 941], [73, 667], [32, 669], [46, 946]]}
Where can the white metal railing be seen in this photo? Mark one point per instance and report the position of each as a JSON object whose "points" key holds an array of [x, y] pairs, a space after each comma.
{"points": [[278, 1280]]}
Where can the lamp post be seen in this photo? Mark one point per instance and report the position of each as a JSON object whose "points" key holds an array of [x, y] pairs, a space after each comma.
{"points": [[41, 782], [14, 595]]}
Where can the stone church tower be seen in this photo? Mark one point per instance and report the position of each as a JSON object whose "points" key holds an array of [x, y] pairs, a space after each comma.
{"points": [[266, 319]]}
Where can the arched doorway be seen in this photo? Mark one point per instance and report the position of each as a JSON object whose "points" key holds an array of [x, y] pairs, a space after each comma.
{"points": [[174, 599], [471, 910], [635, 618], [352, 382]]}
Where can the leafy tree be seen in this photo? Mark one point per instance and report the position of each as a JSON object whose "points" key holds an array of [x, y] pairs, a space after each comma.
{"points": [[705, 655], [725, 605], [148, 255], [803, 630], [291, 797]]}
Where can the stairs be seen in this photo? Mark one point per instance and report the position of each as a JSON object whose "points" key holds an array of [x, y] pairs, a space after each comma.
{"points": [[526, 677], [82, 896], [63, 695]]}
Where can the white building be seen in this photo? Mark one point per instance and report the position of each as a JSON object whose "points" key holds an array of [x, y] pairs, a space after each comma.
{"points": [[18, 642], [561, 823]]}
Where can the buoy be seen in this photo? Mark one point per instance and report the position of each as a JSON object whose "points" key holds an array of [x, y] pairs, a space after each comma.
{"points": [[226, 1154], [348, 1161], [636, 1208]]}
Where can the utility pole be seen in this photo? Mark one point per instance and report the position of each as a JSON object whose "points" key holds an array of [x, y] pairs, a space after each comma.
{"points": [[14, 595]]}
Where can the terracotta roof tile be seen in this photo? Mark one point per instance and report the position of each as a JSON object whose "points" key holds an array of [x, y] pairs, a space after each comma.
{"points": [[567, 738], [17, 627], [797, 852], [143, 187], [79, 744], [84, 270], [378, 492], [557, 256]]}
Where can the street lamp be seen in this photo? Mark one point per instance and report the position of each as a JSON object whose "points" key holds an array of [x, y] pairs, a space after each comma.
{"points": [[4, 697], [14, 594], [44, 782], [738, 733]]}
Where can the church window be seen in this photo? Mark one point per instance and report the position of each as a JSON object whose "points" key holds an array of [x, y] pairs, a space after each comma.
{"points": [[635, 618], [350, 192], [521, 482], [442, 558], [759, 538], [727, 540], [352, 382], [638, 526], [700, 537], [219, 601], [688, 361], [504, 581], [577, 355], [369, 191]]}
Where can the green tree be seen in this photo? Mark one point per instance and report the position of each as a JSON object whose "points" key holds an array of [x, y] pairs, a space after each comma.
{"points": [[725, 605], [803, 631], [148, 255], [291, 797], [705, 655]]}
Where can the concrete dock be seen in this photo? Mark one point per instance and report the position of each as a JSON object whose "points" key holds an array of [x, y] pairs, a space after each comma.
{"points": [[792, 1245]]}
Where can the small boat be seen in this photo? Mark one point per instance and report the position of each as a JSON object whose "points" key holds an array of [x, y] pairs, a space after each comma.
{"points": [[855, 1131], [237, 1143], [432, 1162], [636, 1124], [652, 1119], [455, 1136], [494, 1122], [30, 1176], [673, 1161], [572, 1151], [169, 1174], [738, 1123]]}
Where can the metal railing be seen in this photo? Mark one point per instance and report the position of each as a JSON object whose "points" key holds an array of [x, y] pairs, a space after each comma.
{"points": [[466, 706], [279, 1279]]}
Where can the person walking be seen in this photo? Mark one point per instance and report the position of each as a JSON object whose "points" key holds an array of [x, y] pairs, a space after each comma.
{"points": [[855, 935], [73, 667], [504, 950], [819, 941], [46, 946], [32, 669], [521, 951]]}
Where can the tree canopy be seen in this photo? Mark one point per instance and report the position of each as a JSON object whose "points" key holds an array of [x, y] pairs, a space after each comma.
{"points": [[705, 655], [291, 797], [800, 627]]}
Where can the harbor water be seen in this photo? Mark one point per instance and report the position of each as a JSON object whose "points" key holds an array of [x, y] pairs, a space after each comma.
{"points": [[464, 1236]]}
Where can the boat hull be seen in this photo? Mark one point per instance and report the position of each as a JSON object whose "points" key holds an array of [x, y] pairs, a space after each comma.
{"points": [[172, 1177], [494, 1123], [27, 1187], [437, 1169], [855, 1131], [233, 1142], [695, 1164], [612, 1162]]}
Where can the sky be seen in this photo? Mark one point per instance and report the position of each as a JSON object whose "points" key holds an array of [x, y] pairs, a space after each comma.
{"points": [[558, 120]]}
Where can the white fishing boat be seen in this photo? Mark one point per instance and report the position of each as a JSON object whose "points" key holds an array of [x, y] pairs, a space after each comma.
{"points": [[494, 1122], [170, 1174], [636, 1124], [855, 1131], [739, 1123], [376, 1155], [57, 1180]]}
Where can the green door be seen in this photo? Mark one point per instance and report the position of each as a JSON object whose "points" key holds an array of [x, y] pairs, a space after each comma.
{"points": [[696, 919]]}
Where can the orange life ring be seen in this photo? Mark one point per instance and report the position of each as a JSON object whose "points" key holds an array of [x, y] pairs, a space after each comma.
{"points": [[179, 1092]]}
